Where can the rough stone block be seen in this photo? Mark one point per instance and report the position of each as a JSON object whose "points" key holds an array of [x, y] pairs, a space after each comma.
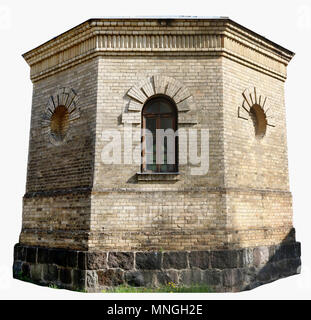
{"points": [[96, 260], [285, 251], [247, 257], [140, 278], [267, 273], [148, 260], [226, 259], [36, 272], [91, 279], [175, 260], [17, 269], [92, 260], [50, 273], [16, 246], [43, 255], [164, 277], [260, 256], [212, 277], [110, 277], [78, 279], [279, 253], [289, 266], [199, 259], [71, 259], [191, 277], [290, 250], [250, 276], [272, 250], [135, 278], [65, 275], [123, 260], [82, 260], [31, 255], [233, 277], [58, 256], [25, 269], [21, 252]]}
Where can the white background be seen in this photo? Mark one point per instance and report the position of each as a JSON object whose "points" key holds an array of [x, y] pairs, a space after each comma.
{"points": [[27, 24]]}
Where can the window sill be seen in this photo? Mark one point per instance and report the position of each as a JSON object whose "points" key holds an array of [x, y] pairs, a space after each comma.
{"points": [[157, 176]]}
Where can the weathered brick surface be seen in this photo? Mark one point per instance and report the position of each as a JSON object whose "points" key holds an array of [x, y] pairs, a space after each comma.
{"points": [[74, 200]]}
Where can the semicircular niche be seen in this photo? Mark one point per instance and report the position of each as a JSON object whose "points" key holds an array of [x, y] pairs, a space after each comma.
{"points": [[61, 109], [255, 108]]}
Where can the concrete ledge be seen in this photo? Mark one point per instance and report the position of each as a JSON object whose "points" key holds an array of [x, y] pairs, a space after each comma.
{"points": [[223, 270], [154, 176]]}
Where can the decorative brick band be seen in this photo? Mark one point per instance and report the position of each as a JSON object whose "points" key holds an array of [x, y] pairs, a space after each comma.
{"points": [[59, 192], [226, 270], [89, 190], [205, 37]]}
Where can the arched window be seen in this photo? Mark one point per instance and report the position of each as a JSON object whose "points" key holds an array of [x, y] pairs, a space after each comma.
{"points": [[159, 140]]}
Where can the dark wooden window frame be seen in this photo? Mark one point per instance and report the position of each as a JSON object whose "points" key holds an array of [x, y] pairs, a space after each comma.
{"points": [[171, 115]]}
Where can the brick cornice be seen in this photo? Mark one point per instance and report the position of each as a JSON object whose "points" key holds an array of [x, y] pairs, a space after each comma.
{"points": [[153, 37]]}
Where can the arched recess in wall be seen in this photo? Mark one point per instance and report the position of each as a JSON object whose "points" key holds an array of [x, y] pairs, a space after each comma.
{"points": [[254, 107], [61, 109], [154, 87], [159, 85]]}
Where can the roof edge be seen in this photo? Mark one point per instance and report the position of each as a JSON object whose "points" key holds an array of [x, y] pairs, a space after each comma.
{"points": [[88, 22]]}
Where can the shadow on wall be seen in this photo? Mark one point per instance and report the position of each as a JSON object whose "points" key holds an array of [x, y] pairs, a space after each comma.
{"points": [[269, 263]]}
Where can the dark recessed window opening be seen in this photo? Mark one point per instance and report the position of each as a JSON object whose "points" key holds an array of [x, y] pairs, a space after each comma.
{"points": [[159, 139], [259, 120]]}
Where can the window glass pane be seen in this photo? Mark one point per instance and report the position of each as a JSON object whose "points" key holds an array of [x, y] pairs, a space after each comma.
{"points": [[150, 144], [150, 134], [158, 106], [151, 124], [150, 159], [171, 168], [165, 107], [160, 146], [152, 107], [166, 123], [151, 167], [168, 143]]}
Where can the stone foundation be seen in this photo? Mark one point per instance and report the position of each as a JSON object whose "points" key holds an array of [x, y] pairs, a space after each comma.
{"points": [[224, 271]]}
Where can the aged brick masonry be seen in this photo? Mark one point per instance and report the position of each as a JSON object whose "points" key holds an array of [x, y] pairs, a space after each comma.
{"points": [[88, 224]]}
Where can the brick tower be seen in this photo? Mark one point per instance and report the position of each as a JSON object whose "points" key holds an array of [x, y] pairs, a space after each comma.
{"points": [[98, 212]]}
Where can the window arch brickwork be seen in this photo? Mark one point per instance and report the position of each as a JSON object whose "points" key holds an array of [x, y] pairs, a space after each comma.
{"points": [[156, 85]]}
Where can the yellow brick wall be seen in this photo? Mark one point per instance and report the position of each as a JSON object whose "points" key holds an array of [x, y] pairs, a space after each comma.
{"points": [[74, 200]]}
